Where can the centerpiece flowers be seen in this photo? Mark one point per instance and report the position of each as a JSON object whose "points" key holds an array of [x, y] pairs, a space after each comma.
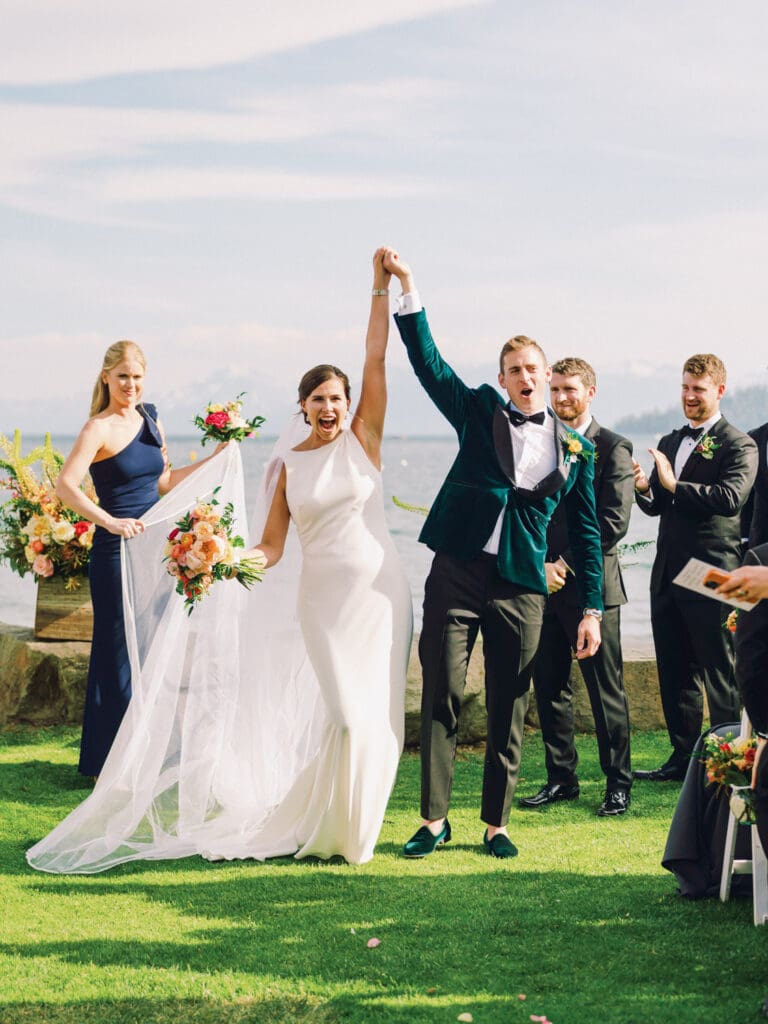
{"points": [[201, 550], [39, 534], [226, 422], [728, 762]]}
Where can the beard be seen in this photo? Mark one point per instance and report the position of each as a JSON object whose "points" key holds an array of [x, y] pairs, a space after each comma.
{"points": [[571, 412]]}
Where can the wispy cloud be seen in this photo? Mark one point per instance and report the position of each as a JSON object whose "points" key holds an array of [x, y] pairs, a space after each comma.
{"points": [[45, 41]]}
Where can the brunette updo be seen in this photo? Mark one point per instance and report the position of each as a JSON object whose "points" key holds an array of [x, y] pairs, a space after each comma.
{"points": [[115, 354], [319, 375]]}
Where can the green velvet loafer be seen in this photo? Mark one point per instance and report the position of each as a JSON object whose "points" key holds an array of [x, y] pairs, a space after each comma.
{"points": [[424, 842], [500, 846]]}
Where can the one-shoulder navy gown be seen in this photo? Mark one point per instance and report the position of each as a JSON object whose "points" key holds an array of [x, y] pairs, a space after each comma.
{"points": [[126, 484]]}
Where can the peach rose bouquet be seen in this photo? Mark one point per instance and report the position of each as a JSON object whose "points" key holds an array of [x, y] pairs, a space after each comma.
{"points": [[39, 534], [226, 422], [201, 550]]}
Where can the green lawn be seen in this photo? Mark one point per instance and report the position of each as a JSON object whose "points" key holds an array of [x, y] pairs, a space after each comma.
{"points": [[584, 923]]}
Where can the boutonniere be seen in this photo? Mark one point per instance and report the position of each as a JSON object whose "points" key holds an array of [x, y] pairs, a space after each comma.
{"points": [[573, 447], [707, 447]]}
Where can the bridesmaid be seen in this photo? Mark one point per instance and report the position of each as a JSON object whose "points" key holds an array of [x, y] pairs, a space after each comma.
{"points": [[123, 447]]}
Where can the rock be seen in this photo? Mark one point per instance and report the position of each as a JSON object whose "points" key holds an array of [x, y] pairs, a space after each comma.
{"points": [[41, 682], [641, 683]]}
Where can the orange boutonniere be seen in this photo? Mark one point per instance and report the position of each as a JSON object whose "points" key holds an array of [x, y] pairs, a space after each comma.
{"points": [[573, 447]]}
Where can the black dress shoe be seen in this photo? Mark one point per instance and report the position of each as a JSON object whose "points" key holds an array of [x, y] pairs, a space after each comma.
{"points": [[550, 794], [666, 773], [424, 842], [500, 846], [616, 802]]}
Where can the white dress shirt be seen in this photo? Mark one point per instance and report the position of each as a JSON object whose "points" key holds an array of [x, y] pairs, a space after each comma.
{"points": [[688, 444]]}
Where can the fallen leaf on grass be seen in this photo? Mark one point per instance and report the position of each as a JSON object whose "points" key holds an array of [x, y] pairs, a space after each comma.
{"points": [[467, 1018]]}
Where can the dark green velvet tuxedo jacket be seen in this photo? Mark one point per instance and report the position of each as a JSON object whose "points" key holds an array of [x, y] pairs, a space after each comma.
{"points": [[481, 482]]}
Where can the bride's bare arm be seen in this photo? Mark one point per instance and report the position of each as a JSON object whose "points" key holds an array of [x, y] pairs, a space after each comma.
{"points": [[368, 421], [269, 550]]}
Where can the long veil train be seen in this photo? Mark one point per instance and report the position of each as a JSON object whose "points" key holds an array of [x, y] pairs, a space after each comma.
{"points": [[225, 714]]}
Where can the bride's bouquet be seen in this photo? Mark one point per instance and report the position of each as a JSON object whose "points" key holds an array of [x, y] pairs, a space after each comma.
{"points": [[226, 422], [201, 550]]}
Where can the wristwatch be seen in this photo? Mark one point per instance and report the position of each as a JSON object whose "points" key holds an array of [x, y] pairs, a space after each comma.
{"points": [[594, 612]]}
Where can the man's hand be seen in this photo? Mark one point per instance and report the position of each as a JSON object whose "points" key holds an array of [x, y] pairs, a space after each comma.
{"points": [[556, 574], [642, 483], [587, 637], [395, 266], [666, 474], [748, 583]]}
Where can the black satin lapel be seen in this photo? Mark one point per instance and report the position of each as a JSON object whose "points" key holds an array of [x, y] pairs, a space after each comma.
{"points": [[502, 442]]}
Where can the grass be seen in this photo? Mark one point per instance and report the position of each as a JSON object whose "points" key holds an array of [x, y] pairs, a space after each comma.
{"points": [[584, 922]]}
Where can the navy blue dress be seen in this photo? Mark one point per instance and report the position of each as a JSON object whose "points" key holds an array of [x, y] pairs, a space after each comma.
{"points": [[126, 484]]}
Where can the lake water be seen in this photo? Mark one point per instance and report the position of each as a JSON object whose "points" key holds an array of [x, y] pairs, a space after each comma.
{"points": [[413, 471]]}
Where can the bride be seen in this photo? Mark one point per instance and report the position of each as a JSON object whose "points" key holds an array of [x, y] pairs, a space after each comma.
{"points": [[263, 725]]}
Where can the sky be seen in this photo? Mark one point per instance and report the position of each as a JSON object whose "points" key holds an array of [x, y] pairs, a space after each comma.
{"points": [[212, 180]]}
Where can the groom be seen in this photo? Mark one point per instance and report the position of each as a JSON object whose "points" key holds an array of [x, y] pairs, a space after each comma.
{"points": [[488, 529]]}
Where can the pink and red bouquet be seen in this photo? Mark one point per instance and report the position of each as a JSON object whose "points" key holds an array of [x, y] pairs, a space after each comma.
{"points": [[201, 550], [226, 422], [39, 534]]}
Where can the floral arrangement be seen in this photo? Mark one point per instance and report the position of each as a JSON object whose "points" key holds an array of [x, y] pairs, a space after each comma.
{"points": [[728, 762], [707, 447], [226, 422], [39, 534], [201, 550], [732, 621], [573, 447]]}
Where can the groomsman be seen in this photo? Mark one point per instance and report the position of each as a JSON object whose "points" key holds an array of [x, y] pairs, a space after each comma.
{"points": [[754, 518], [487, 527], [572, 389], [702, 477]]}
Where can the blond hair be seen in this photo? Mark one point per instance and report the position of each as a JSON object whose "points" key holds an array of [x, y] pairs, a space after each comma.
{"points": [[115, 354], [515, 344]]}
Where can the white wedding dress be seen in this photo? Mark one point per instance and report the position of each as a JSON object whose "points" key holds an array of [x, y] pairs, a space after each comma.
{"points": [[260, 725]]}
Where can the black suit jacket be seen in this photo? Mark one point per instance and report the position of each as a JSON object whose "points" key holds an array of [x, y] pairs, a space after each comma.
{"points": [[614, 489], [702, 518], [752, 652], [754, 517]]}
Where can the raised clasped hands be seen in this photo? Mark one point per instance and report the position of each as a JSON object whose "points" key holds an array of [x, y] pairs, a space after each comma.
{"points": [[381, 275], [395, 266]]}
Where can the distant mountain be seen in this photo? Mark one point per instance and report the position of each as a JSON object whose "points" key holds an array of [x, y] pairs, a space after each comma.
{"points": [[746, 408]]}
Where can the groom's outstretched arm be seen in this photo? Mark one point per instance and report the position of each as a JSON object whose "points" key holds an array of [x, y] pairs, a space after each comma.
{"points": [[446, 389]]}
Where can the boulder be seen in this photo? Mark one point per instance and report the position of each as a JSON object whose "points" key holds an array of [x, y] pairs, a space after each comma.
{"points": [[43, 682]]}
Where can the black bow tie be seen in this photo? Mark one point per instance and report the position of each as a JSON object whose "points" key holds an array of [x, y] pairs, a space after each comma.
{"points": [[518, 418], [694, 432]]}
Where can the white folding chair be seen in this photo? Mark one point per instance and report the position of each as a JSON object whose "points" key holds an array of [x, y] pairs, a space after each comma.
{"points": [[757, 865]]}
